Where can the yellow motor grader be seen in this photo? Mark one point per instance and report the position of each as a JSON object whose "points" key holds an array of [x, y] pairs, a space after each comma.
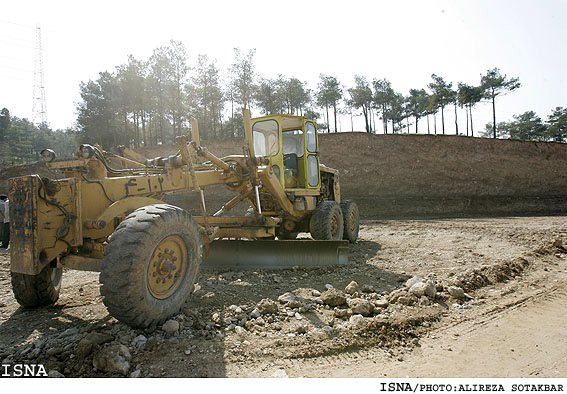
{"points": [[114, 220]]}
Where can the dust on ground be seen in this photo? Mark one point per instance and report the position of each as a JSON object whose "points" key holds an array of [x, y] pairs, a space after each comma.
{"points": [[418, 298]]}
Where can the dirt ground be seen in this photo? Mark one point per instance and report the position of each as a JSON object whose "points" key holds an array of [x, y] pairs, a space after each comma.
{"points": [[497, 310]]}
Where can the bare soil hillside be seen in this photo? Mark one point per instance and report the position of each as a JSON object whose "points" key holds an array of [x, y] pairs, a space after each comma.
{"points": [[414, 176]]}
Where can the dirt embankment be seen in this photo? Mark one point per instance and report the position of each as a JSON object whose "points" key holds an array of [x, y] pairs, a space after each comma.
{"points": [[419, 176], [433, 176]]}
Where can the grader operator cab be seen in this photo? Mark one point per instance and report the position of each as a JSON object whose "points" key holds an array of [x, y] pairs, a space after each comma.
{"points": [[114, 220]]}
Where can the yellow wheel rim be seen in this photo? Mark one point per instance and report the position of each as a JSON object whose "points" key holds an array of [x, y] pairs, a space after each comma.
{"points": [[167, 267]]}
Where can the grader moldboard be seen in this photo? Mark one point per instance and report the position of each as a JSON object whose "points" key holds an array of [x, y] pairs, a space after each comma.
{"points": [[113, 220]]}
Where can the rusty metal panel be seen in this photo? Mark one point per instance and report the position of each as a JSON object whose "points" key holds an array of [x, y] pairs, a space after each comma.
{"points": [[24, 258]]}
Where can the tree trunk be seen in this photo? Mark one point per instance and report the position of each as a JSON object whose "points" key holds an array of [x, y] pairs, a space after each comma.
{"points": [[443, 119], [467, 113], [472, 130], [335, 114], [428, 130], [493, 113], [416, 120], [435, 123], [456, 123], [328, 120]]}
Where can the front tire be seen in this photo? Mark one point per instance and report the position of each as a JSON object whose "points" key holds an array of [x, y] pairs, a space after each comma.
{"points": [[150, 265], [37, 290], [327, 222]]}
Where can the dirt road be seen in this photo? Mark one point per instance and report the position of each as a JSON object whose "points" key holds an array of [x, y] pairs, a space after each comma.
{"points": [[508, 321]]}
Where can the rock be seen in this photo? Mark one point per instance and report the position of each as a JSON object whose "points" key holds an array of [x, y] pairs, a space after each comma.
{"points": [[69, 332], [99, 338], [84, 348], [457, 292], [280, 373], [381, 303], [328, 286], [318, 334], [113, 359], [55, 374], [301, 329], [423, 289], [136, 373], [290, 299], [361, 306], [151, 344], [333, 297], [424, 301], [170, 327], [356, 321], [342, 313], [260, 321], [255, 313], [240, 331], [92, 339], [412, 281], [351, 288], [406, 300], [190, 313], [266, 306], [368, 289], [139, 342], [316, 293]]}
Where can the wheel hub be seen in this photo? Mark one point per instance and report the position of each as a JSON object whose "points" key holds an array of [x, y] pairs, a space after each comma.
{"points": [[167, 267]]}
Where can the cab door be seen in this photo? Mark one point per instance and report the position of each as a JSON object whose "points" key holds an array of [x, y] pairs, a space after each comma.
{"points": [[311, 144]]}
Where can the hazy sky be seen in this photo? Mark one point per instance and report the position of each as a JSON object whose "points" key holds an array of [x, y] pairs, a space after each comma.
{"points": [[403, 41]]}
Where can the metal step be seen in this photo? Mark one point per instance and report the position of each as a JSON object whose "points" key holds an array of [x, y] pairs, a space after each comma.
{"points": [[252, 255]]}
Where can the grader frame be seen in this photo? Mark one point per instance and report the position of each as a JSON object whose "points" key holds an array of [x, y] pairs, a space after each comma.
{"points": [[100, 218]]}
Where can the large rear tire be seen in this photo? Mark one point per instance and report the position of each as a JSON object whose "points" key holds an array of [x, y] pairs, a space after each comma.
{"points": [[37, 290], [150, 265], [327, 222], [351, 220]]}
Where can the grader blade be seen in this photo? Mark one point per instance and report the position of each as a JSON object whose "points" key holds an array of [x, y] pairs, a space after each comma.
{"points": [[247, 255]]}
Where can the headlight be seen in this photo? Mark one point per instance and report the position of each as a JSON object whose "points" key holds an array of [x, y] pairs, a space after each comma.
{"points": [[47, 155], [86, 151]]}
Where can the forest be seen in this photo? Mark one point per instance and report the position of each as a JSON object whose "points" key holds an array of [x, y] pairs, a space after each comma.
{"points": [[150, 102]]}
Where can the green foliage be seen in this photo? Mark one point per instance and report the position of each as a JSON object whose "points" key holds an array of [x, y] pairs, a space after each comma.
{"points": [[527, 127], [243, 77], [362, 97], [557, 125], [206, 98], [23, 141], [494, 84], [442, 96]]}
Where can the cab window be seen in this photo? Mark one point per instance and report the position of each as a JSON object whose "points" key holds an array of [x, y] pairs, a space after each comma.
{"points": [[310, 137], [265, 135]]}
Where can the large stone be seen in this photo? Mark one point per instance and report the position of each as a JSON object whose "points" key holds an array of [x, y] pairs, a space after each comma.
{"points": [[457, 292], [361, 306], [333, 297], [420, 289], [290, 299], [139, 342], [357, 321], [92, 339], [352, 287], [99, 338], [412, 281], [113, 359], [266, 306], [381, 303], [170, 327]]}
